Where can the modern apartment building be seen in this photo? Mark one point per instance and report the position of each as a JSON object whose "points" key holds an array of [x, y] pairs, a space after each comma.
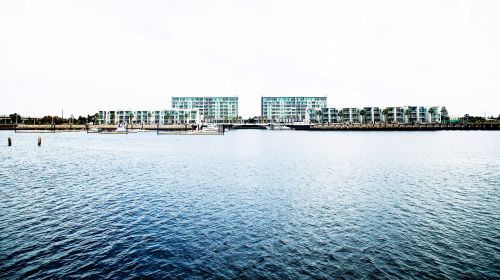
{"points": [[212, 109], [289, 109], [406, 114], [394, 114], [172, 116]]}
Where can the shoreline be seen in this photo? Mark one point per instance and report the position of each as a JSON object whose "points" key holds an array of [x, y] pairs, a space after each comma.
{"points": [[311, 127]]}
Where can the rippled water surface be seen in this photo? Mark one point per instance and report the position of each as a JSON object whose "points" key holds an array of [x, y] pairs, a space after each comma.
{"points": [[251, 204]]}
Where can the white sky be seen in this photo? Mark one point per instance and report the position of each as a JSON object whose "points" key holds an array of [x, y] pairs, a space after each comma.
{"points": [[82, 56]]}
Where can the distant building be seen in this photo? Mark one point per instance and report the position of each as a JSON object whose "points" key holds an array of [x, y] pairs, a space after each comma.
{"points": [[212, 109], [289, 109], [172, 116], [406, 114], [6, 120]]}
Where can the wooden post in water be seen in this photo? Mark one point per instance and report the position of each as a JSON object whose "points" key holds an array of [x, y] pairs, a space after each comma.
{"points": [[39, 141], [158, 128], [9, 142]]}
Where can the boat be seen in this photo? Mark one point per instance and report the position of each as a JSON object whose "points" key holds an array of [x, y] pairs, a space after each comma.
{"points": [[278, 127], [120, 129], [249, 126], [210, 127]]}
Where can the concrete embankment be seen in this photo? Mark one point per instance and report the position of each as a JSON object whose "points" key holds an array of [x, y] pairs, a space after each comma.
{"points": [[83, 127], [398, 127]]}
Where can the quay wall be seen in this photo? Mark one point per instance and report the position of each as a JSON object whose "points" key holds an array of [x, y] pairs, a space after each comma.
{"points": [[398, 127], [83, 127], [331, 127]]}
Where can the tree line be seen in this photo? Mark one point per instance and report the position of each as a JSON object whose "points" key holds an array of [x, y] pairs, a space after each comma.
{"points": [[49, 119]]}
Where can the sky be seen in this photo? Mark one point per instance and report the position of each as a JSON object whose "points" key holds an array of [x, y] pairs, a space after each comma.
{"points": [[85, 56]]}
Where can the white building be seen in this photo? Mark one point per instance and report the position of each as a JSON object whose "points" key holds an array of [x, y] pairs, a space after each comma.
{"points": [[171, 116], [405, 114], [212, 109]]}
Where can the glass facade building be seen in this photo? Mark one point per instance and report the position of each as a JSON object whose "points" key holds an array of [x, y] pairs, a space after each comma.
{"points": [[289, 109], [212, 109]]}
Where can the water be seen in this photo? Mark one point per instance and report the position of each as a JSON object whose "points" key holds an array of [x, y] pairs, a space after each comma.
{"points": [[251, 204]]}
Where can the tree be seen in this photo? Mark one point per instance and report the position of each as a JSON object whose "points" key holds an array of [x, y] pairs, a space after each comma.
{"points": [[431, 112], [319, 113], [15, 118], [167, 116], [362, 113], [91, 119], [385, 112], [81, 120], [408, 114], [444, 114], [341, 116], [149, 117], [186, 115], [131, 117]]}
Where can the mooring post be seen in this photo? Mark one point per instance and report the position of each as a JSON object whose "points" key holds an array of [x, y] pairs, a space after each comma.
{"points": [[39, 141], [158, 128], [9, 142]]}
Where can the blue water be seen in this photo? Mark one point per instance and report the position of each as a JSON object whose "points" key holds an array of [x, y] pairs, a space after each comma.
{"points": [[251, 204]]}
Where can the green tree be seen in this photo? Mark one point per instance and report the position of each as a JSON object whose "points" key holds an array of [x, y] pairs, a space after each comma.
{"points": [[341, 116], [319, 113], [385, 112], [131, 117], [15, 118], [167, 116], [444, 114], [431, 112], [362, 113], [408, 114], [149, 118]]}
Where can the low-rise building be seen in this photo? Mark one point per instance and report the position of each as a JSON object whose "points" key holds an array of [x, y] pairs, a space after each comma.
{"points": [[171, 116], [405, 114], [6, 120]]}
